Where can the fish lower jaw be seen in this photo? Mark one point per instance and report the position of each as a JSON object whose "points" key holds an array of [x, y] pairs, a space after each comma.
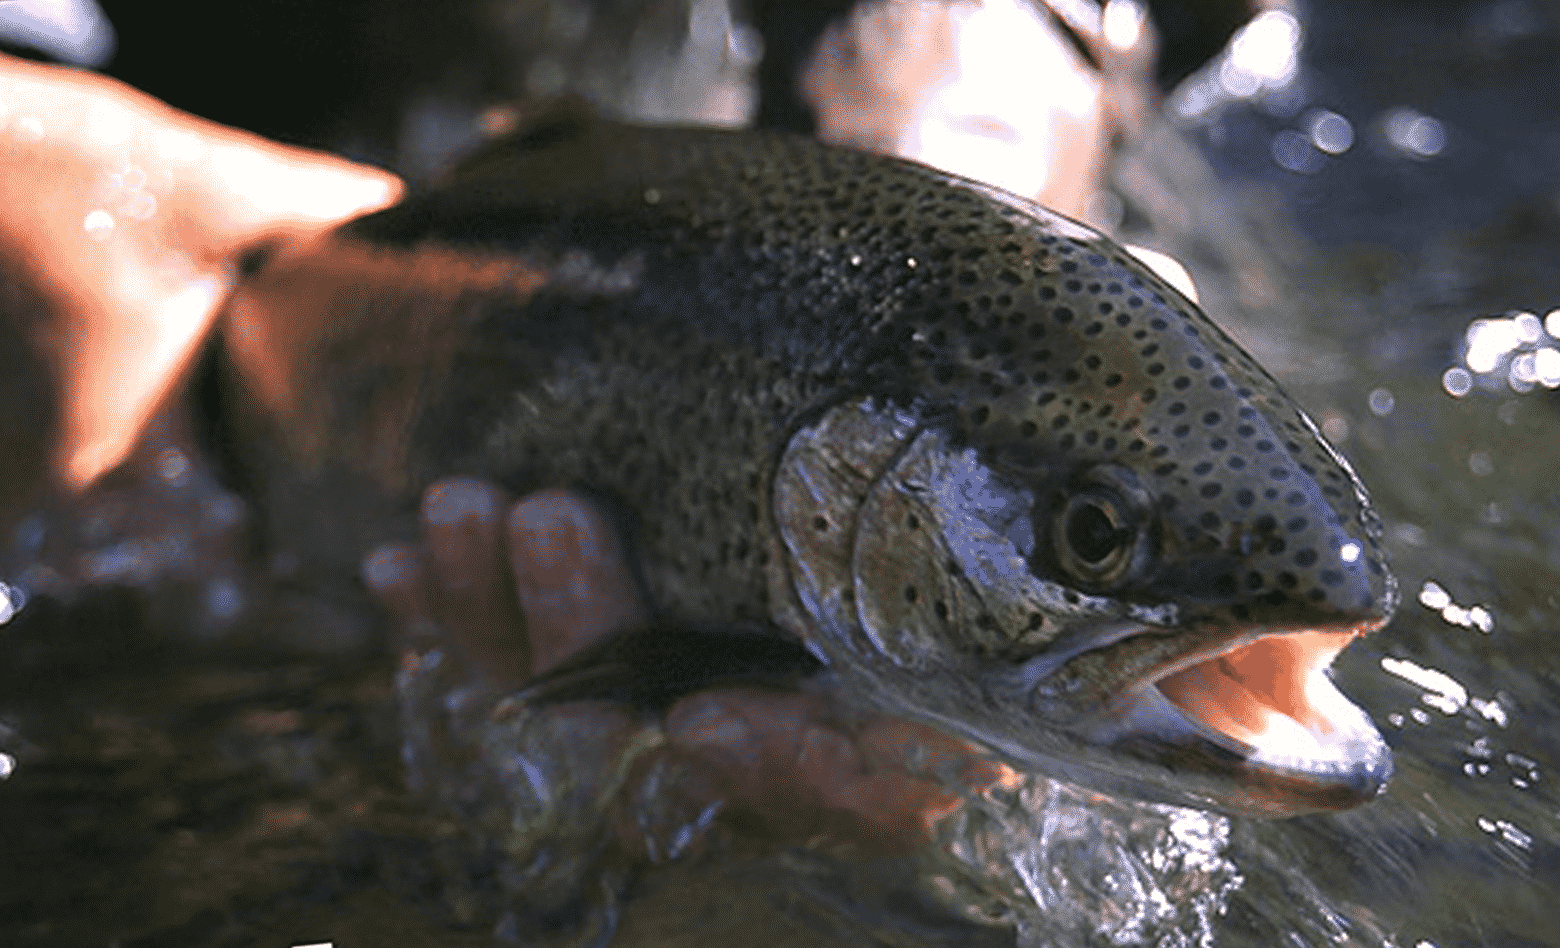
{"points": [[1269, 714], [1264, 735], [1271, 697]]}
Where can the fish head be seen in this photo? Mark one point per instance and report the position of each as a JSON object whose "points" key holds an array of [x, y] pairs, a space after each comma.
{"points": [[1101, 541]]}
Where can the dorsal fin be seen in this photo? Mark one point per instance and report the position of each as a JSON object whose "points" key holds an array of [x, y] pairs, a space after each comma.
{"points": [[537, 126]]}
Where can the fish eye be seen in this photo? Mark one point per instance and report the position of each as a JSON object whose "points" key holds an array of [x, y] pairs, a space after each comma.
{"points": [[1091, 529], [1101, 531]]}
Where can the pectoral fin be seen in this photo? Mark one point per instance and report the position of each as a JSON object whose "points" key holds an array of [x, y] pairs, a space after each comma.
{"points": [[654, 666]]}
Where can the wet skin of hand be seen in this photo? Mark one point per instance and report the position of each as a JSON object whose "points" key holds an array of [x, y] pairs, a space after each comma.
{"points": [[123, 219], [780, 760]]}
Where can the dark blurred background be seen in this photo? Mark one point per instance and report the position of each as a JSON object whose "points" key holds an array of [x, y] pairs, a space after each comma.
{"points": [[344, 74]]}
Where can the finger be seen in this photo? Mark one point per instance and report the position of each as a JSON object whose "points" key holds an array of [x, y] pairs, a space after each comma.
{"points": [[895, 743], [265, 189], [779, 758], [472, 597], [892, 809], [747, 741], [752, 736], [569, 575], [888, 806], [394, 573]]}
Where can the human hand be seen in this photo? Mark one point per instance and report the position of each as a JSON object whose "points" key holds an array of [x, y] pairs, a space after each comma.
{"points": [[126, 219], [781, 762]]}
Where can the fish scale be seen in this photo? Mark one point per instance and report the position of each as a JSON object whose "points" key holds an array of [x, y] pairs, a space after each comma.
{"points": [[992, 469]]}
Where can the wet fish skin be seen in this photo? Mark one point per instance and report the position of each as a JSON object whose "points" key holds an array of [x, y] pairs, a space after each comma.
{"points": [[857, 401]]}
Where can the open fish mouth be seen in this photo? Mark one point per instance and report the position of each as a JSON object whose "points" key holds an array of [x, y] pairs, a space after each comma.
{"points": [[1264, 713]]}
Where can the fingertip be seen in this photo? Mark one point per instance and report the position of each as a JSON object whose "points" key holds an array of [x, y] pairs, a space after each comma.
{"points": [[391, 567], [286, 187], [461, 500], [569, 575], [556, 526], [471, 594], [460, 518], [394, 575]]}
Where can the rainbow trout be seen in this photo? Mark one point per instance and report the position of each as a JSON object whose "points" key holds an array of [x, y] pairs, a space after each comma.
{"points": [[972, 456]]}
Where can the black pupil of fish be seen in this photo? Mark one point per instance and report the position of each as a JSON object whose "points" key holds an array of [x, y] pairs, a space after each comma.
{"points": [[1091, 534]]}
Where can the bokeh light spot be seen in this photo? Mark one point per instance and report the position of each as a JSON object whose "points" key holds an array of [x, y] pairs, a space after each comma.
{"points": [[1414, 133], [1329, 131], [1382, 402]]}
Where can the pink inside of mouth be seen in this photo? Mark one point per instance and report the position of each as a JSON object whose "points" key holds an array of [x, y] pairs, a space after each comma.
{"points": [[1242, 693]]}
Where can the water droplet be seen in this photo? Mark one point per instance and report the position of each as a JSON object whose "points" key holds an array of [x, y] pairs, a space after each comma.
{"points": [[1480, 464], [7, 765], [1123, 23], [99, 225], [131, 179], [1382, 402], [1489, 340], [1546, 367], [1489, 710], [1265, 52], [1528, 328], [140, 205], [172, 464], [1520, 375], [1445, 689], [1457, 382], [1514, 834], [1432, 596], [223, 599], [11, 602], [1411, 534]]}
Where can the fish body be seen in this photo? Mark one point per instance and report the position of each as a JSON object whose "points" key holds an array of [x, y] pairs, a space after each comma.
{"points": [[989, 468]]}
